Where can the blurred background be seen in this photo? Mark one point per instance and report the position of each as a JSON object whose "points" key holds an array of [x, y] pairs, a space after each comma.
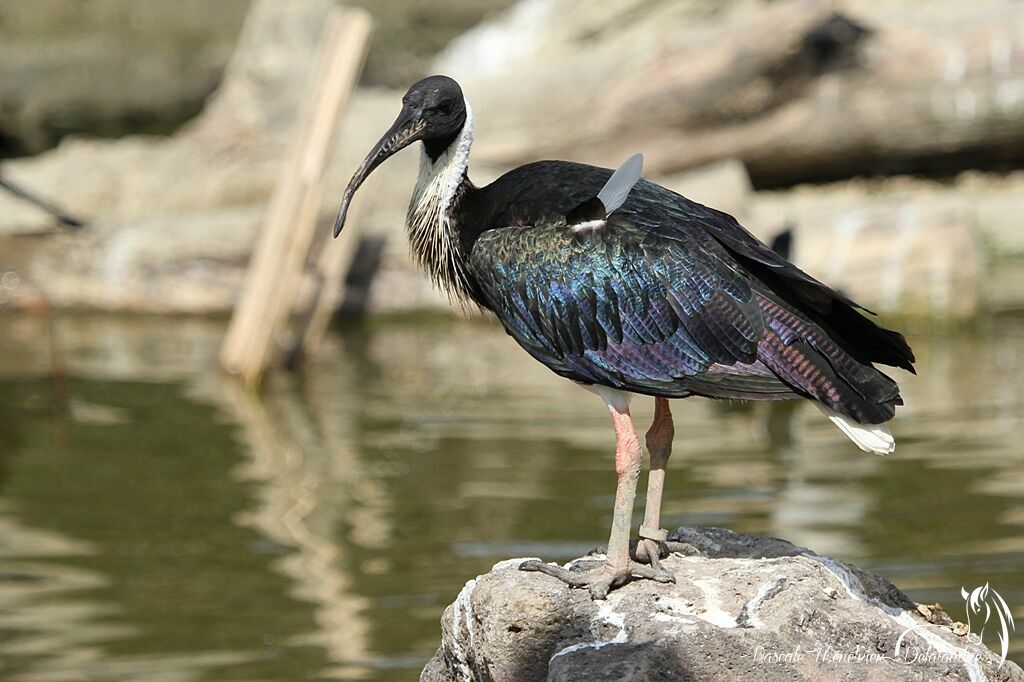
{"points": [[158, 521]]}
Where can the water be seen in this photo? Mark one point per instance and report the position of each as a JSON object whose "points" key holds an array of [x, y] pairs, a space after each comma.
{"points": [[158, 523]]}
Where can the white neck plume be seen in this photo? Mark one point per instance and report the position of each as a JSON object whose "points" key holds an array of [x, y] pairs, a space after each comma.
{"points": [[432, 235]]}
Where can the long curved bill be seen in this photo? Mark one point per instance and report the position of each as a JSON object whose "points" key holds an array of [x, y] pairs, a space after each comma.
{"points": [[406, 129]]}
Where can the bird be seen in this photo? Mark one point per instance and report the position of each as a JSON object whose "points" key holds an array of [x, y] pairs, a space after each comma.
{"points": [[630, 289]]}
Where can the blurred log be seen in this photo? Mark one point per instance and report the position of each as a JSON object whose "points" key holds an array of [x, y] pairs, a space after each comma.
{"points": [[797, 90], [275, 272], [909, 251], [173, 220], [724, 185]]}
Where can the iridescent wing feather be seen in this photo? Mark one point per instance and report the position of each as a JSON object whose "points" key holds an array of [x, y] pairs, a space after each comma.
{"points": [[670, 298]]}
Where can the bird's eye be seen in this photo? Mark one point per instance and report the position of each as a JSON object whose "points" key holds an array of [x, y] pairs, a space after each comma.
{"points": [[445, 107]]}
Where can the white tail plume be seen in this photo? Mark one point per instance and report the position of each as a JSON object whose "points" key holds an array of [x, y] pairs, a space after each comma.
{"points": [[869, 437]]}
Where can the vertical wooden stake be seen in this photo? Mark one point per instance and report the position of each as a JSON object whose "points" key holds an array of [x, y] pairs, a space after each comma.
{"points": [[275, 271], [334, 263]]}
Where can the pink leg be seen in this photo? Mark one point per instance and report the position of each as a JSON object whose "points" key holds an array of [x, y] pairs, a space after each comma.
{"points": [[659, 445], [618, 568], [628, 458]]}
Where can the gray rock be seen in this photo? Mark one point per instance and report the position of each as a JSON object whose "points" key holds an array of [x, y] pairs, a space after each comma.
{"points": [[57, 57], [743, 607], [171, 220], [107, 67]]}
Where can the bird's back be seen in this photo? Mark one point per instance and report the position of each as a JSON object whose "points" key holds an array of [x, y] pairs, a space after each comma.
{"points": [[668, 297]]}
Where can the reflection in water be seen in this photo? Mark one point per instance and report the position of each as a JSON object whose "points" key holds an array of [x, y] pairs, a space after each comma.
{"points": [[118, 558], [296, 507], [167, 525]]}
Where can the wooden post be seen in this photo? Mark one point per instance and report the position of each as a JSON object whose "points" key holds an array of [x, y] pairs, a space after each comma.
{"points": [[332, 266], [275, 271]]}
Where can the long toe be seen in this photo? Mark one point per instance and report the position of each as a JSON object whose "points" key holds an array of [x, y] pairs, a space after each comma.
{"points": [[684, 548], [570, 578], [602, 579], [657, 572]]}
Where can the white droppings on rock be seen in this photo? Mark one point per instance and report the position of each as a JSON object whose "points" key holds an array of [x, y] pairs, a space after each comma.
{"points": [[578, 647], [850, 582], [606, 615], [713, 611], [462, 614]]}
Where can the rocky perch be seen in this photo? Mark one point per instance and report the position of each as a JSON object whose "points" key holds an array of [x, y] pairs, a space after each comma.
{"points": [[742, 607]]}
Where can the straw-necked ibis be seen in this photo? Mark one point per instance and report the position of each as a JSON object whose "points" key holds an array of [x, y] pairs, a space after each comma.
{"points": [[628, 288]]}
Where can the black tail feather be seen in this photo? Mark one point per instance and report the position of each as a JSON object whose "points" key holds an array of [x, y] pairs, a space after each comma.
{"points": [[829, 309], [869, 342], [812, 360], [857, 334]]}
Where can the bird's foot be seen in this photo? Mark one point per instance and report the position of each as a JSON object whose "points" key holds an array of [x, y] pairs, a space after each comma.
{"points": [[600, 579], [651, 548], [651, 552]]}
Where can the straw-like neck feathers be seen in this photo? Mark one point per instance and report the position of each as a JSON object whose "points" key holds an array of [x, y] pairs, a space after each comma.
{"points": [[431, 224]]}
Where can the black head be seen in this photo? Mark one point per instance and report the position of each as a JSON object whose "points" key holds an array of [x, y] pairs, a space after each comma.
{"points": [[438, 102], [433, 110]]}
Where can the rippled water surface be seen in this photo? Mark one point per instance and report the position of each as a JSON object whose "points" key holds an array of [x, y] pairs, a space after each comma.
{"points": [[158, 523]]}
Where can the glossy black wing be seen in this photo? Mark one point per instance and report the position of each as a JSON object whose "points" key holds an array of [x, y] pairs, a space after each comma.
{"points": [[671, 298], [619, 308], [541, 192], [663, 212]]}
